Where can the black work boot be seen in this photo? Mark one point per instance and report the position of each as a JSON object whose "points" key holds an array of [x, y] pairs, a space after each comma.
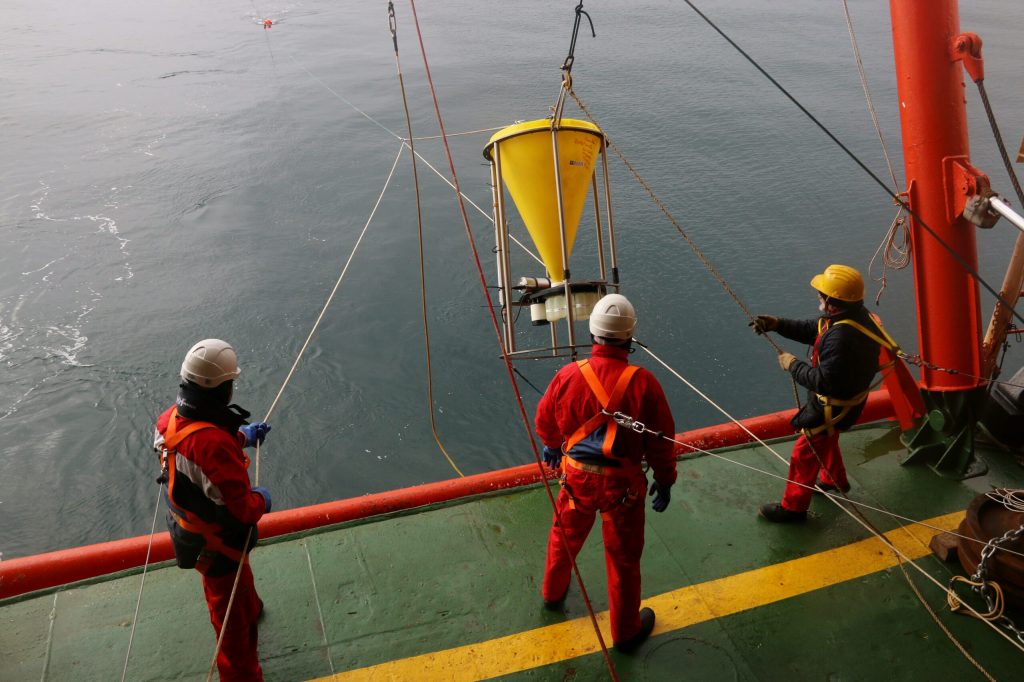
{"points": [[646, 625], [776, 513], [831, 488], [557, 604]]}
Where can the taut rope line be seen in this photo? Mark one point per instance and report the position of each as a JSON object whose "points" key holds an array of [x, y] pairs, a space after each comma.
{"points": [[853, 513], [784, 460], [410, 142], [142, 584], [291, 372], [497, 328]]}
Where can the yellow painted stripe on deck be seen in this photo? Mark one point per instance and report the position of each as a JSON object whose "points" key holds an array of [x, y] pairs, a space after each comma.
{"points": [[675, 610]]}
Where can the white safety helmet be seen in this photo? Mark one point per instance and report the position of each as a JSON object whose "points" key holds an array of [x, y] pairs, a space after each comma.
{"points": [[210, 363], [613, 317]]}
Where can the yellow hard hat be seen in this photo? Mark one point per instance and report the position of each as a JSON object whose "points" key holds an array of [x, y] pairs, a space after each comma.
{"points": [[840, 282]]}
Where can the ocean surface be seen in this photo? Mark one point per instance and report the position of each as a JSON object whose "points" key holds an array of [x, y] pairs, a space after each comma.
{"points": [[174, 171]]}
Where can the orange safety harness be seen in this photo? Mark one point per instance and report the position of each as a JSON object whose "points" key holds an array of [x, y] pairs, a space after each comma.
{"points": [[184, 518], [888, 358], [610, 404]]}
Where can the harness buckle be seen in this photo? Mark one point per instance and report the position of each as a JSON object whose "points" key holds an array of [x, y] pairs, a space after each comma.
{"points": [[623, 419]]}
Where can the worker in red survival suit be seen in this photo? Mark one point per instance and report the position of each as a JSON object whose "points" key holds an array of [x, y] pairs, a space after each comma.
{"points": [[212, 508], [601, 469], [845, 343]]}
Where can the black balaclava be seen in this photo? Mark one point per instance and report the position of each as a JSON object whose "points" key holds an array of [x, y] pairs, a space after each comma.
{"points": [[210, 405]]}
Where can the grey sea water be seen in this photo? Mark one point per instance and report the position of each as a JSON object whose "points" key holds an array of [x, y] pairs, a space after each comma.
{"points": [[173, 171]]}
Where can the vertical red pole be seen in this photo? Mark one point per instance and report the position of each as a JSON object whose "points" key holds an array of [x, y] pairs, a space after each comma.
{"points": [[933, 113]]}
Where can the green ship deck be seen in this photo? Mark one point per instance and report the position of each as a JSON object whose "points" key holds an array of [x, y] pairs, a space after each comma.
{"points": [[451, 592]]}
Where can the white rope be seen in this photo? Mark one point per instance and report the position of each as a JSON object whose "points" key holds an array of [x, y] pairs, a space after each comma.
{"points": [[466, 132], [835, 499], [785, 460], [291, 372], [142, 585], [711, 402], [418, 155], [330, 298]]}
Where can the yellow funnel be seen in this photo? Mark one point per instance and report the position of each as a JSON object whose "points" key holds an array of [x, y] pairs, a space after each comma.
{"points": [[528, 170]]}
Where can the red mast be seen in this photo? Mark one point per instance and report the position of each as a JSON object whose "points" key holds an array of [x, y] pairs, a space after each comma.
{"points": [[928, 47], [930, 86]]}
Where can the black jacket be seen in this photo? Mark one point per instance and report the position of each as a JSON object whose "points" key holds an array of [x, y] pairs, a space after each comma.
{"points": [[847, 362]]}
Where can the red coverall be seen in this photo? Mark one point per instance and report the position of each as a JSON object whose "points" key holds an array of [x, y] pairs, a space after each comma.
{"points": [[217, 465], [619, 494]]}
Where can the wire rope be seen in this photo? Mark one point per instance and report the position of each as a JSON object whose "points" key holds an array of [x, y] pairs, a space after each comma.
{"points": [[679, 228], [497, 329], [895, 197]]}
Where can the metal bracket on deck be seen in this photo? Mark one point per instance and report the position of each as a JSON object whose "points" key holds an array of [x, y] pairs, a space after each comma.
{"points": [[945, 439]]}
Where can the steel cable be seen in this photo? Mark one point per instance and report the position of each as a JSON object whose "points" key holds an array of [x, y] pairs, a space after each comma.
{"points": [[895, 197]]}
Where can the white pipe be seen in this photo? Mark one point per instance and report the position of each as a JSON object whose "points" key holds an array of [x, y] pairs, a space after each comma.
{"points": [[1004, 210]]}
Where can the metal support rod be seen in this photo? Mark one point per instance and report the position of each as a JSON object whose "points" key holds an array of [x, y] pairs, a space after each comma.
{"points": [[999, 325], [569, 316], [1000, 207], [608, 211], [600, 236], [501, 243], [554, 339]]}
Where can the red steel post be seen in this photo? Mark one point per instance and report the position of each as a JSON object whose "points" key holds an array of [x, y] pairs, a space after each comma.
{"points": [[933, 114]]}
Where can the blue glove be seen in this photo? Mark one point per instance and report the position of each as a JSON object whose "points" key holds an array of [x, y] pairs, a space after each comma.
{"points": [[255, 433], [266, 495], [552, 456], [662, 496]]}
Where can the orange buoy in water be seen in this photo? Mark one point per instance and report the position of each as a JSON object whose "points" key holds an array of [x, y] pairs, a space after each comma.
{"points": [[267, 23]]}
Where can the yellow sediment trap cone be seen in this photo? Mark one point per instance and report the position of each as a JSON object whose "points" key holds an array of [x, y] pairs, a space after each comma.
{"points": [[527, 162]]}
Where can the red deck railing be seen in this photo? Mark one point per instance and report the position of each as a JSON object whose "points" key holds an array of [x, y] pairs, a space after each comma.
{"points": [[41, 571]]}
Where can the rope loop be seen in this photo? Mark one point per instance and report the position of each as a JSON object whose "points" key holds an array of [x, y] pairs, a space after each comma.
{"points": [[991, 591]]}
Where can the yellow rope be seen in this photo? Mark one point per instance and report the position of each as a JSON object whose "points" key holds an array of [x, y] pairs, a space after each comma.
{"points": [[410, 142]]}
